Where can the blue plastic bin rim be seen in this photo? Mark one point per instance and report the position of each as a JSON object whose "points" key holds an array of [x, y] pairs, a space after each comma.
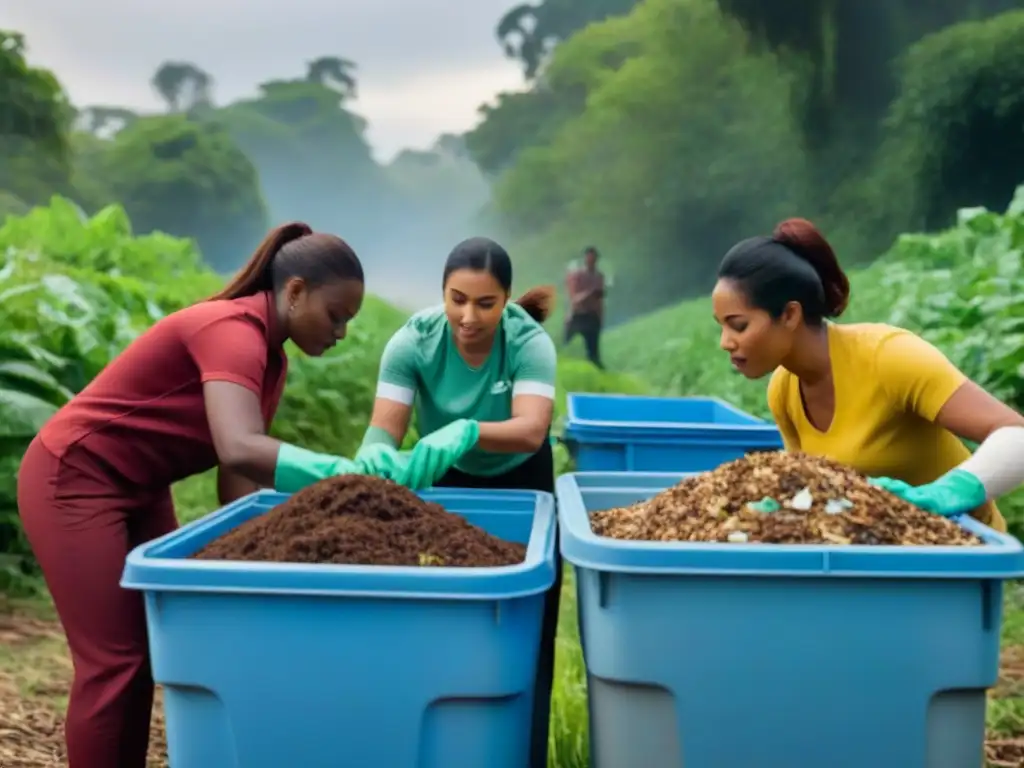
{"points": [[582, 426], [162, 565], [1000, 557]]}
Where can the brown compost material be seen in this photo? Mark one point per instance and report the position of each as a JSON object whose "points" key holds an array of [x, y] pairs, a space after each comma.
{"points": [[1004, 752], [818, 502], [358, 520]]}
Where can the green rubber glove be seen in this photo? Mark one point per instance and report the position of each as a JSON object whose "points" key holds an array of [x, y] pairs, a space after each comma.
{"points": [[382, 460], [438, 452], [955, 493], [377, 436], [296, 468]]}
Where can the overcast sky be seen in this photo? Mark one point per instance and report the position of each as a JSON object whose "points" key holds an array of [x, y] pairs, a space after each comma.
{"points": [[424, 65]]}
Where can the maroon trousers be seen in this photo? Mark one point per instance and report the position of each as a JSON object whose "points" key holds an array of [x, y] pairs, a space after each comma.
{"points": [[81, 527]]}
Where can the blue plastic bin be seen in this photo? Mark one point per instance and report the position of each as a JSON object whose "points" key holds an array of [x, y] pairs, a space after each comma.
{"points": [[268, 665], [771, 656], [613, 433]]}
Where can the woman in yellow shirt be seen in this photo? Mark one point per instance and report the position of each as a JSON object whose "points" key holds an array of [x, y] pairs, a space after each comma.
{"points": [[872, 396]]}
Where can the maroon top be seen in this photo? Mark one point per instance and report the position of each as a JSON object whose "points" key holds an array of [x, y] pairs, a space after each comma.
{"points": [[144, 415], [584, 281]]}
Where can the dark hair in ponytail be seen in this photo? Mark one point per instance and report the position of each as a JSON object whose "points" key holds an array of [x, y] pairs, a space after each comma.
{"points": [[538, 302], [481, 254], [294, 250], [795, 264]]}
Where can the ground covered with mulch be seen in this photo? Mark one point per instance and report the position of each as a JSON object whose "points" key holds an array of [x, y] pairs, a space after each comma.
{"points": [[35, 672]]}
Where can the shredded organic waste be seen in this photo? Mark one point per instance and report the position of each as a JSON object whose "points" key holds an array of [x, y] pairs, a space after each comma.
{"points": [[357, 520], [780, 498]]}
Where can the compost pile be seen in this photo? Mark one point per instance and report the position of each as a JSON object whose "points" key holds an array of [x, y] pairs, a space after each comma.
{"points": [[780, 498], [357, 520]]}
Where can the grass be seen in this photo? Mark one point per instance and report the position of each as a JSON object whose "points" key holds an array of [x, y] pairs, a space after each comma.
{"points": [[569, 735], [1006, 707]]}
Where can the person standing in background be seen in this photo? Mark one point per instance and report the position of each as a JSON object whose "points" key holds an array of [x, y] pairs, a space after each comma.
{"points": [[586, 287]]}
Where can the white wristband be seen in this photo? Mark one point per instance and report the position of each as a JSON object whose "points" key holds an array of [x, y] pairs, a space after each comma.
{"points": [[999, 461]]}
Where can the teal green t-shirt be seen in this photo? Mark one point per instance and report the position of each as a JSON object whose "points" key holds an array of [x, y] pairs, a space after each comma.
{"points": [[422, 366]]}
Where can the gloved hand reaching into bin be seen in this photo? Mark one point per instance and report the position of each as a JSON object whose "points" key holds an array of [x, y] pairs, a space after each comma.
{"points": [[429, 459], [419, 468], [438, 452], [995, 468], [955, 493], [298, 468]]}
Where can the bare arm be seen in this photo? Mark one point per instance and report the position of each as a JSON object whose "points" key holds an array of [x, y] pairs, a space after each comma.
{"points": [[920, 379], [231, 486], [525, 432], [924, 381], [973, 414], [397, 383], [392, 417], [236, 425], [533, 402]]}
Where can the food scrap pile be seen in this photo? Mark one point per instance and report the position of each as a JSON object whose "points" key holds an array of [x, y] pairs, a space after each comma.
{"points": [[780, 498], [357, 520]]}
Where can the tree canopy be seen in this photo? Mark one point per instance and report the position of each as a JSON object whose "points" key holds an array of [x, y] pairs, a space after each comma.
{"points": [[673, 128], [661, 130]]}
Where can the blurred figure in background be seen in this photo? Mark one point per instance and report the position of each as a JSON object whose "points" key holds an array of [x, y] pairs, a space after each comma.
{"points": [[585, 286]]}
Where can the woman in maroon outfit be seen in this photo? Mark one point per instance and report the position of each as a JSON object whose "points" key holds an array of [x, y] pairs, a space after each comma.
{"points": [[197, 390]]}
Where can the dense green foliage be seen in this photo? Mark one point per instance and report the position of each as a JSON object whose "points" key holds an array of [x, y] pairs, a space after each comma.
{"points": [[666, 134], [188, 179], [529, 31], [955, 129], [35, 156], [848, 47], [71, 298], [603, 165], [661, 131]]}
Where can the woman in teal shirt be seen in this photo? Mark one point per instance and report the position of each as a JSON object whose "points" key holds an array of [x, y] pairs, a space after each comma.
{"points": [[482, 368]]}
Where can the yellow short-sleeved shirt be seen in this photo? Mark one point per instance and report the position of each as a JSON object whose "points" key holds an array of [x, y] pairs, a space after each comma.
{"points": [[889, 386]]}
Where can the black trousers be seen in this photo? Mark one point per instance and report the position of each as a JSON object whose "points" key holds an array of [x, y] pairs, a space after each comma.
{"points": [[535, 474], [589, 327]]}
